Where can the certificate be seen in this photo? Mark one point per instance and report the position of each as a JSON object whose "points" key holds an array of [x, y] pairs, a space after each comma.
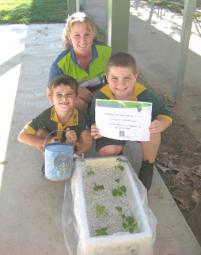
{"points": [[123, 120]]}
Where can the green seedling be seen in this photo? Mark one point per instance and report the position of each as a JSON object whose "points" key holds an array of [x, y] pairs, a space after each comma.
{"points": [[119, 163], [101, 211], [128, 222], [119, 209], [98, 187], [121, 160], [101, 232], [119, 166], [119, 191], [90, 171]]}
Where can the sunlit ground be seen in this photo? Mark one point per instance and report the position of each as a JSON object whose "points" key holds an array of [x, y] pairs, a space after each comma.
{"points": [[168, 22], [11, 45], [12, 41]]}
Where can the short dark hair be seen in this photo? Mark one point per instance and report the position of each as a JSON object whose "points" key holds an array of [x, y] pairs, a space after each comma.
{"points": [[122, 59], [64, 80]]}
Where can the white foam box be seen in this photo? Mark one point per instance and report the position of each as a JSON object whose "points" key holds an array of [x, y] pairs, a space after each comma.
{"points": [[140, 243]]}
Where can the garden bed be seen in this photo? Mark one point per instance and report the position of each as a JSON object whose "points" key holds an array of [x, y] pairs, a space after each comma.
{"points": [[107, 202], [109, 212]]}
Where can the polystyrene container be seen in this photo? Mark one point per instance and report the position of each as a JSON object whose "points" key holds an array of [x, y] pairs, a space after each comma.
{"points": [[122, 243]]}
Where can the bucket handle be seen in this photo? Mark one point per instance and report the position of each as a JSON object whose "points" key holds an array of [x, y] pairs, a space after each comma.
{"points": [[49, 134], [63, 130]]}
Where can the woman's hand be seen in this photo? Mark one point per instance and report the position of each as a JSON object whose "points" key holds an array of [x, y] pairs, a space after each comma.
{"points": [[83, 99], [71, 136], [81, 104], [84, 94], [95, 132]]}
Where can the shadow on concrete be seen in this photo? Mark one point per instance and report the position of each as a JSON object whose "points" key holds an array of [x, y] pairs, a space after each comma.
{"points": [[156, 55], [30, 215]]}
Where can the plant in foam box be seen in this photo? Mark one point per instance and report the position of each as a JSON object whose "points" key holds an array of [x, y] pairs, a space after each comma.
{"points": [[110, 215]]}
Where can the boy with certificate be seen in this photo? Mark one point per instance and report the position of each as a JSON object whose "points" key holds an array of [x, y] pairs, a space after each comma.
{"points": [[122, 86]]}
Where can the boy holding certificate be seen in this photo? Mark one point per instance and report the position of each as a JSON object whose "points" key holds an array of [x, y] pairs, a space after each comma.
{"points": [[122, 76]]}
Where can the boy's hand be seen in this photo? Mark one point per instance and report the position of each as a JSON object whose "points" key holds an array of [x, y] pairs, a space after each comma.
{"points": [[71, 136], [53, 139], [158, 125], [95, 132]]}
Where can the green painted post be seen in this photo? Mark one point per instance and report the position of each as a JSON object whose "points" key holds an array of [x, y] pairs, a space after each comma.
{"points": [[189, 8], [71, 4], [82, 4], [118, 24]]}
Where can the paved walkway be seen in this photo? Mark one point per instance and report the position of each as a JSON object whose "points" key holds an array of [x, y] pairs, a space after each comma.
{"points": [[30, 206]]}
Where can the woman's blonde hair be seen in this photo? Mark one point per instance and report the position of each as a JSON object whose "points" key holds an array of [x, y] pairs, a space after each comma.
{"points": [[74, 18]]}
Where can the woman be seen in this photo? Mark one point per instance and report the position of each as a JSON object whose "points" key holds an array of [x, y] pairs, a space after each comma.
{"points": [[84, 58]]}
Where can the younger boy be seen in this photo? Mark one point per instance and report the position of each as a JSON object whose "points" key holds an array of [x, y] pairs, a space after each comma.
{"points": [[121, 76], [69, 124]]}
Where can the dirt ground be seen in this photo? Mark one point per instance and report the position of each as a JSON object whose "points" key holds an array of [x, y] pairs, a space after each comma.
{"points": [[179, 163]]}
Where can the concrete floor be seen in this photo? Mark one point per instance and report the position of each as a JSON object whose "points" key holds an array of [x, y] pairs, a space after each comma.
{"points": [[30, 206]]}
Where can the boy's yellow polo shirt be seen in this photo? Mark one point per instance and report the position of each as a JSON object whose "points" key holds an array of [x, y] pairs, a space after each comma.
{"points": [[140, 93], [49, 121]]}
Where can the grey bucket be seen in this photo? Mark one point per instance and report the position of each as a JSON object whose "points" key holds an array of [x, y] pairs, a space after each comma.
{"points": [[59, 161]]}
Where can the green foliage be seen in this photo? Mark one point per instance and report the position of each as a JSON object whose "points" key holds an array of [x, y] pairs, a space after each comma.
{"points": [[101, 232], [119, 164], [119, 191], [90, 171], [197, 15], [128, 222], [120, 167], [119, 209], [98, 187], [32, 11], [121, 160], [101, 211], [117, 180], [174, 6]]}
